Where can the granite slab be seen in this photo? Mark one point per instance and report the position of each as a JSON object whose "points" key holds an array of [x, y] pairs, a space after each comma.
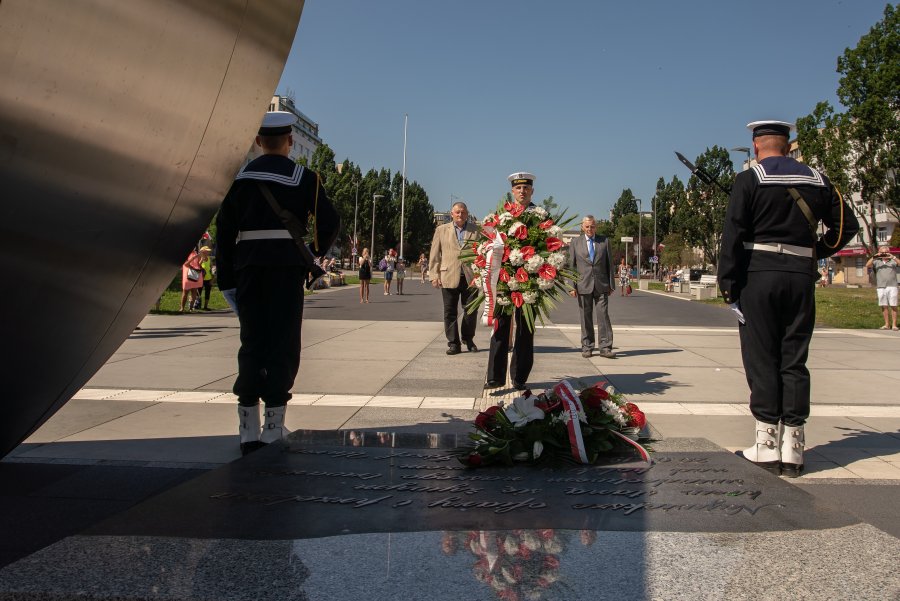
{"points": [[353, 514]]}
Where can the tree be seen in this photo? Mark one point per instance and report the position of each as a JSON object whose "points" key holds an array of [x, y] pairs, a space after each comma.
{"points": [[676, 251], [701, 215], [860, 150], [550, 205], [625, 205], [667, 198]]}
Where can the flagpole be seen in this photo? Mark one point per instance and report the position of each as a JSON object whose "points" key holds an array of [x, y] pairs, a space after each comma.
{"points": [[403, 185]]}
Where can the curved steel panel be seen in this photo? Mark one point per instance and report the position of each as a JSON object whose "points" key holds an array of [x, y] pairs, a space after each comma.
{"points": [[122, 125]]}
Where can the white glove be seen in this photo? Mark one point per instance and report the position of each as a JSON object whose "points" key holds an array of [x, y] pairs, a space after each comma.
{"points": [[736, 307]]}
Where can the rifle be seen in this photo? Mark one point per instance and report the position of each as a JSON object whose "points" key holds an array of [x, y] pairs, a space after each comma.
{"points": [[701, 173]]}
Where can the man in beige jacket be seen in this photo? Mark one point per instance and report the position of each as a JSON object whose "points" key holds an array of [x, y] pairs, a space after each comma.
{"points": [[452, 276]]}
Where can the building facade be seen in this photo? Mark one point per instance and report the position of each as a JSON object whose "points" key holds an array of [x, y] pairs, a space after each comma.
{"points": [[306, 131]]}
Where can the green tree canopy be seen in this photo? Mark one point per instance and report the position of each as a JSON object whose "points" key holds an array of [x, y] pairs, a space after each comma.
{"points": [[700, 217], [625, 205], [859, 150]]}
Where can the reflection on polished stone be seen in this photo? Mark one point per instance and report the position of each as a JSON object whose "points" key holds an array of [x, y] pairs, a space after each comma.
{"points": [[475, 565], [327, 484]]}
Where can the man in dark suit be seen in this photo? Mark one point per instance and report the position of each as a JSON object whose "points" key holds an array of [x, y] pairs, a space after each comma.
{"points": [[589, 257]]}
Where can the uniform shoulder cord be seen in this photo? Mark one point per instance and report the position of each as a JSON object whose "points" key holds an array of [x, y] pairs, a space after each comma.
{"points": [[841, 228], [316, 216]]}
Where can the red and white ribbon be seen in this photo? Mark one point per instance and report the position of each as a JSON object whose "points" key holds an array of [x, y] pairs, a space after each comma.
{"points": [[493, 260], [640, 449], [572, 406]]}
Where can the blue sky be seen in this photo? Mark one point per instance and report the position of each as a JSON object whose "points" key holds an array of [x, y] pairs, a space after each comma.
{"points": [[590, 96]]}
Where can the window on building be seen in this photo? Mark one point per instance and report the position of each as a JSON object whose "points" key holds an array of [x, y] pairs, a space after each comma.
{"points": [[860, 267], [882, 234], [879, 207]]}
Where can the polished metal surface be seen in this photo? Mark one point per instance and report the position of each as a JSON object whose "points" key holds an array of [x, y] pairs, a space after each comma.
{"points": [[122, 125]]}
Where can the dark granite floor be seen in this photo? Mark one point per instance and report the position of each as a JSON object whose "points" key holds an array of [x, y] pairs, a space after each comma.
{"points": [[43, 503]]}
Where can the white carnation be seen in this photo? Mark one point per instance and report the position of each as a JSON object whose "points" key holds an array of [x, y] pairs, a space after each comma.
{"points": [[502, 300], [515, 257], [545, 284], [557, 259], [554, 230], [489, 217], [530, 297], [514, 228], [505, 218], [534, 263], [540, 212], [513, 284]]}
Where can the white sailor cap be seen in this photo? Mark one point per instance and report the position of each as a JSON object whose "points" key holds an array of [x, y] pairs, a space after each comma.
{"points": [[521, 177], [276, 123], [771, 128]]}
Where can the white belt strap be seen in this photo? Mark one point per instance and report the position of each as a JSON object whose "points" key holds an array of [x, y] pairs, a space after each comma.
{"points": [[777, 247], [262, 235]]}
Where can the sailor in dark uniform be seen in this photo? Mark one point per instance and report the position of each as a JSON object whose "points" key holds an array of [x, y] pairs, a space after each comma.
{"points": [[257, 256], [523, 346], [767, 273]]}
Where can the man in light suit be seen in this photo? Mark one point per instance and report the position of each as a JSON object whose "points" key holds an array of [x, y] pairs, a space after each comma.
{"points": [[452, 276], [589, 256]]}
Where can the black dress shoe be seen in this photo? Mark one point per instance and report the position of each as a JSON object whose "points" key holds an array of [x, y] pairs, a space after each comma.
{"points": [[492, 384], [453, 350], [471, 346], [249, 447], [518, 385]]}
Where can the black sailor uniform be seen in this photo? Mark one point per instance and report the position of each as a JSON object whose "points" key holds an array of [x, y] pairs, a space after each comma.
{"points": [[256, 255], [774, 283]]}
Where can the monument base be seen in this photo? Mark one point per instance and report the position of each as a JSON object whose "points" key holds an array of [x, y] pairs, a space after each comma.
{"points": [[351, 514]]}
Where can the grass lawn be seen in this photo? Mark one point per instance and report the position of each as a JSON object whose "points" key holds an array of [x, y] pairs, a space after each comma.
{"points": [[854, 308], [170, 303]]}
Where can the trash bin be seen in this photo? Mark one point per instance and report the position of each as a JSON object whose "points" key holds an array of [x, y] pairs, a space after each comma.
{"points": [[695, 275]]}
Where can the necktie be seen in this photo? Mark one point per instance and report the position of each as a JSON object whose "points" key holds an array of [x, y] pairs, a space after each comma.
{"points": [[591, 249]]}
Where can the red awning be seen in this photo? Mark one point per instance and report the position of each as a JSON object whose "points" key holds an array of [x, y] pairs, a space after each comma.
{"points": [[861, 251]]}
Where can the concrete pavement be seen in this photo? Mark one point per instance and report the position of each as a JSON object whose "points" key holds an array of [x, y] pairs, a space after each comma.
{"points": [[164, 397]]}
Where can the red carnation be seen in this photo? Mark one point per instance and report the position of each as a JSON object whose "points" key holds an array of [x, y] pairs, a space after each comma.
{"points": [[521, 232], [547, 271], [474, 459], [527, 252], [503, 276], [554, 244], [636, 417], [516, 210], [517, 299], [486, 417], [546, 225], [521, 275], [594, 396], [480, 261]]}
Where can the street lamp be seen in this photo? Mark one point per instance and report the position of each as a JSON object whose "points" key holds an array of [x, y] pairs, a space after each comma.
{"points": [[743, 149], [355, 238], [640, 219], [375, 197]]}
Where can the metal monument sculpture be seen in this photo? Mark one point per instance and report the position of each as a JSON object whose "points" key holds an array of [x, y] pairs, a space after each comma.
{"points": [[122, 125]]}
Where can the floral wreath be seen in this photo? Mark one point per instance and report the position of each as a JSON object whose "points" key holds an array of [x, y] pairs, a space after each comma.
{"points": [[519, 263], [559, 424]]}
